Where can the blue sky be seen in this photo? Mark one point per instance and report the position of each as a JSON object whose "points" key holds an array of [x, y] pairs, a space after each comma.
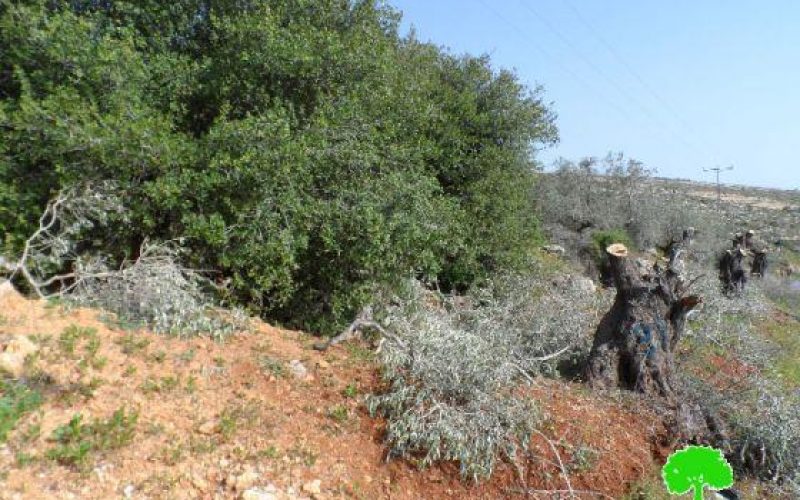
{"points": [[680, 85]]}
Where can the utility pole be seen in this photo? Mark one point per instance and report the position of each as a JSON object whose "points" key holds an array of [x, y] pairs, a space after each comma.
{"points": [[717, 170]]}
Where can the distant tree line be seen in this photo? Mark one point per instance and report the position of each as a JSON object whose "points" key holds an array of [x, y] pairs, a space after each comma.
{"points": [[301, 149]]}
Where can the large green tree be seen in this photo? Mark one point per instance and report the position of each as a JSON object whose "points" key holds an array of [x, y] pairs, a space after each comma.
{"points": [[302, 148]]}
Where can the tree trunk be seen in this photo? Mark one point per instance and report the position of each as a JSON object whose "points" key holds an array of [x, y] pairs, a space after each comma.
{"points": [[634, 342]]}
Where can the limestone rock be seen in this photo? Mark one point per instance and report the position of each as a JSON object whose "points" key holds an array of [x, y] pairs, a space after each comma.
{"points": [[208, 428], [259, 494], [298, 369], [12, 364], [313, 488], [246, 480], [22, 346], [12, 359]]}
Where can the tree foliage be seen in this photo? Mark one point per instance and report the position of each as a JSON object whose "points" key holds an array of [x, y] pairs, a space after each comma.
{"points": [[302, 148]]}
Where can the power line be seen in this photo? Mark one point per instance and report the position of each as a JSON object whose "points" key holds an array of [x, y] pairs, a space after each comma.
{"points": [[566, 69], [644, 109], [629, 68]]}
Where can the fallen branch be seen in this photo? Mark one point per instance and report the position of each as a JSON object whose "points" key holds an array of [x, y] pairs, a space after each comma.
{"points": [[556, 354], [70, 212], [560, 463], [362, 322], [531, 491]]}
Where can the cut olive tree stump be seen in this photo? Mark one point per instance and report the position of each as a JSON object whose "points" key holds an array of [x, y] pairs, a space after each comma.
{"points": [[634, 342]]}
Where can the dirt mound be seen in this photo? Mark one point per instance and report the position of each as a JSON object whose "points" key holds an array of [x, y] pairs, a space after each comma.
{"points": [[262, 413]]}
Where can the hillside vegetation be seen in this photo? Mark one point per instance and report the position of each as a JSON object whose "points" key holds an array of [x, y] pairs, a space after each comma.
{"points": [[174, 175], [303, 150]]}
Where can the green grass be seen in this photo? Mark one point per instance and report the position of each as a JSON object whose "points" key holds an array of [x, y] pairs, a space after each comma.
{"points": [[270, 452], [790, 257], [191, 384], [273, 366], [787, 365], [132, 343], [160, 385], [76, 441], [172, 454], [300, 452], [24, 459], [351, 391], [228, 424], [187, 355], [159, 356], [16, 400], [114, 322], [339, 414], [359, 353], [69, 338], [648, 488]]}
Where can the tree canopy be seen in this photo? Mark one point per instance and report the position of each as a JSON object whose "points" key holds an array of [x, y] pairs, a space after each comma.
{"points": [[302, 148]]}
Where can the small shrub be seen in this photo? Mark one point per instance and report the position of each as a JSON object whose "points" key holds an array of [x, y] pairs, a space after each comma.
{"points": [[191, 384], [351, 391], [271, 452], [23, 459], [161, 385], [273, 366], [69, 338], [339, 414], [75, 441], [228, 424], [99, 362], [132, 343], [187, 355], [584, 458], [93, 345]]}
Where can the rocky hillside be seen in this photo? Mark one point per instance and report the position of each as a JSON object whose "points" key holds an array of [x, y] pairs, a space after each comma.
{"points": [[100, 411]]}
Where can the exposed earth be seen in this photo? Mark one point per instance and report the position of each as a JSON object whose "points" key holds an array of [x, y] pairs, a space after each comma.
{"points": [[241, 419]]}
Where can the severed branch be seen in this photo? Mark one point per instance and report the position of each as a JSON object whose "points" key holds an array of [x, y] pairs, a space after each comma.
{"points": [[46, 221], [362, 322], [561, 466], [66, 216]]}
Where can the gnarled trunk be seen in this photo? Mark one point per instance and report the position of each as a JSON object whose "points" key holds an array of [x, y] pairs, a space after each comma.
{"points": [[634, 342]]}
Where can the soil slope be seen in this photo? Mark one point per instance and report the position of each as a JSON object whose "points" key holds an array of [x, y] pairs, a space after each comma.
{"points": [[263, 415]]}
